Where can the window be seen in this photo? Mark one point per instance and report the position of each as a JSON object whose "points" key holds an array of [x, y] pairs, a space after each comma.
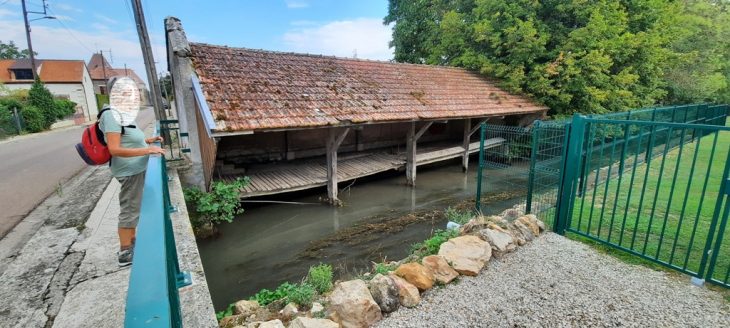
{"points": [[23, 74]]}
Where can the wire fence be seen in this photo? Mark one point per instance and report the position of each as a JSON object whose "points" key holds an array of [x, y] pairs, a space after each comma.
{"points": [[11, 125]]}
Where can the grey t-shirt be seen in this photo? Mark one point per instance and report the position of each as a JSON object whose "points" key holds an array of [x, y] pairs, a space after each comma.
{"points": [[132, 138]]}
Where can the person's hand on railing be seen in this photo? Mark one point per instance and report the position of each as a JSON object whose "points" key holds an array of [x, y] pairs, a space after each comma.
{"points": [[151, 150], [153, 139]]}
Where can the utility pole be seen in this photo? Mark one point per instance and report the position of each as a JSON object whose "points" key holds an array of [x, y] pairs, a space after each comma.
{"points": [[149, 61], [103, 68], [27, 32]]}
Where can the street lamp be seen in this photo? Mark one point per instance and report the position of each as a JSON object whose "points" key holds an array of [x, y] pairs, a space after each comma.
{"points": [[27, 32]]}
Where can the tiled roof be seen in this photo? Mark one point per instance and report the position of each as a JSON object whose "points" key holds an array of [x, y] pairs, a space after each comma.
{"points": [[97, 65], [254, 89], [129, 72], [51, 71]]}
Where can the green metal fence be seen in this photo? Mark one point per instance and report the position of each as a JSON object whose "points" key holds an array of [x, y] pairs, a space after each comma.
{"points": [[153, 299], [652, 182], [170, 130]]}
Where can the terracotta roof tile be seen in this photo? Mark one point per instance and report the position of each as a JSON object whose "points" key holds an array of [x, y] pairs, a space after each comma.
{"points": [[255, 89], [51, 71]]}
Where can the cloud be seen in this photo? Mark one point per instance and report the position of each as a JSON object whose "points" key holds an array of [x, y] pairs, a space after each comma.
{"points": [[99, 26], [104, 18], [67, 7], [64, 18], [303, 23], [5, 12], [368, 36], [58, 43], [296, 4]]}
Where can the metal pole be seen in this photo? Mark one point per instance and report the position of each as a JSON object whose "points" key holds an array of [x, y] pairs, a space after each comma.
{"points": [[533, 158], [479, 175], [17, 120], [30, 44], [149, 61], [103, 69]]}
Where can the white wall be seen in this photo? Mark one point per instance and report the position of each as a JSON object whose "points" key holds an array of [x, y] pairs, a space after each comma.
{"points": [[81, 94]]}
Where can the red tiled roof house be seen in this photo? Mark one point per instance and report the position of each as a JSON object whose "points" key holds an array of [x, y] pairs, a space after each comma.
{"points": [[262, 107], [66, 79]]}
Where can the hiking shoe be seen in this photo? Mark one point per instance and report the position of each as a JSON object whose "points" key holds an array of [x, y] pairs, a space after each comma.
{"points": [[125, 257]]}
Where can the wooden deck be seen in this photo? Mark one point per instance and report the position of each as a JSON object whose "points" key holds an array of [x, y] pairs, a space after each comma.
{"points": [[300, 176]]}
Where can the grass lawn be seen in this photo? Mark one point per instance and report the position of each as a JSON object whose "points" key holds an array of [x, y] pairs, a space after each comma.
{"points": [[661, 209]]}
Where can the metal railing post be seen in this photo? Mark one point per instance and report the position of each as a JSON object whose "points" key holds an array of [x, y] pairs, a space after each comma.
{"points": [[533, 157], [570, 172], [481, 167]]}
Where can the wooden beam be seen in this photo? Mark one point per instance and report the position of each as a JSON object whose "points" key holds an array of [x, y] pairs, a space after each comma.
{"points": [[422, 130], [411, 156], [479, 125], [528, 119], [333, 143]]}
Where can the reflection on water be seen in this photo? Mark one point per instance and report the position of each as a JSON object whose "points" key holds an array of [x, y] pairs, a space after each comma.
{"points": [[262, 247]]}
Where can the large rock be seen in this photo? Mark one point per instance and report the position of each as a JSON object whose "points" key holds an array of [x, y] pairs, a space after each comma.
{"points": [[290, 310], [354, 304], [501, 241], [408, 294], [538, 222], [511, 214], [385, 293], [467, 254], [302, 322], [529, 222], [246, 308], [416, 274], [440, 268], [272, 324], [316, 307], [521, 230], [231, 320]]}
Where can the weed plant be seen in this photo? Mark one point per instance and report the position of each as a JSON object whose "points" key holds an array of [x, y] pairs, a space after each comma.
{"points": [[320, 277]]}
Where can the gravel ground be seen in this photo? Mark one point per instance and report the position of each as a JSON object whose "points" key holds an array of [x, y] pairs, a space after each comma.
{"points": [[557, 282]]}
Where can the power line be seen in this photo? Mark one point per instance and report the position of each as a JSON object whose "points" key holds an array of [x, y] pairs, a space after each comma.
{"points": [[69, 32], [6, 1], [129, 12]]}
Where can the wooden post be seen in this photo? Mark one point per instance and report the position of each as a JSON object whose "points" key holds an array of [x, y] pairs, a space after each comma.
{"points": [[465, 156], [333, 142], [411, 151], [289, 152]]}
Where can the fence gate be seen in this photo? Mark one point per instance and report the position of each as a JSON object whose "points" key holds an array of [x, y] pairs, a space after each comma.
{"points": [[656, 189]]}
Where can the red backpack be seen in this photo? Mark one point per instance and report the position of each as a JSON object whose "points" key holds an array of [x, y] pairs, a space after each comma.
{"points": [[92, 148]]}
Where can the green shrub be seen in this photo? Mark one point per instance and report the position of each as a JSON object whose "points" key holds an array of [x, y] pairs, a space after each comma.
{"points": [[302, 295], [64, 108], [432, 245], [266, 297], [228, 312], [10, 103], [383, 269], [34, 119], [320, 277], [218, 205], [456, 216], [39, 96]]}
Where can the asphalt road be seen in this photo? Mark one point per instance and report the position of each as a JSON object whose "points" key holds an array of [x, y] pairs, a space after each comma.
{"points": [[31, 168]]}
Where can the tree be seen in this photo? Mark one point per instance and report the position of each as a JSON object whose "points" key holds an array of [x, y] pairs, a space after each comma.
{"points": [[166, 86], [587, 56], [10, 51], [40, 97]]}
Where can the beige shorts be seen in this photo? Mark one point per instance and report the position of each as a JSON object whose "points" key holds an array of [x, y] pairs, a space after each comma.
{"points": [[130, 199]]}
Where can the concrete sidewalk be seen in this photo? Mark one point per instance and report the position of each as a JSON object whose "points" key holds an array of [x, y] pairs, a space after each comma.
{"points": [[70, 277]]}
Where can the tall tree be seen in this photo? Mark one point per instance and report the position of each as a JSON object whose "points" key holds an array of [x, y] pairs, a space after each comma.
{"points": [[588, 56], [10, 51]]}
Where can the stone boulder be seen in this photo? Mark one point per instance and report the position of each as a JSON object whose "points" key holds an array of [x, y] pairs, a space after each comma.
{"points": [[385, 293], [232, 320], [354, 304], [316, 307], [501, 241], [416, 274], [408, 294], [302, 322], [272, 324], [530, 223], [511, 214], [523, 233], [467, 254], [440, 268], [245, 307], [290, 310]]}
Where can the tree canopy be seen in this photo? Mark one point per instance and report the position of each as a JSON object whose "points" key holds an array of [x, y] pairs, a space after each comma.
{"points": [[587, 56], [10, 51]]}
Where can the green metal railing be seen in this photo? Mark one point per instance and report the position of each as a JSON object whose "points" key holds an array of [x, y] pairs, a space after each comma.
{"points": [[652, 182], [152, 298], [170, 130]]}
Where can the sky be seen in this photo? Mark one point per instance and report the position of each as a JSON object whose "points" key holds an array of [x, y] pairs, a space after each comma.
{"points": [[343, 28]]}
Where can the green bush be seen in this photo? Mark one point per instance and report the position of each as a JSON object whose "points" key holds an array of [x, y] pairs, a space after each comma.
{"points": [[320, 277], [64, 108], [10, 103], [302, 295], [432, 245], [42, 98], [218, 205], [456, 216], [228, 312], [266, 297], [34, 119], [383, 269]]}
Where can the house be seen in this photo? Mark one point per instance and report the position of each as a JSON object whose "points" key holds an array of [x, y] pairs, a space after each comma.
{"points": [[66, 79], [101, 71], [283, 119]]}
